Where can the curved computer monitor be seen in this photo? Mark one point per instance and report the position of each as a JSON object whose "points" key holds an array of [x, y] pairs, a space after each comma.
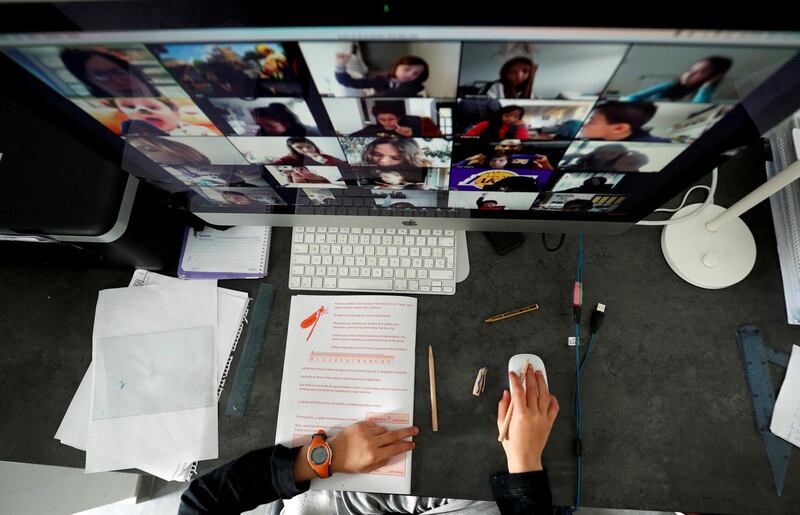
{"points": [[477, 128]]}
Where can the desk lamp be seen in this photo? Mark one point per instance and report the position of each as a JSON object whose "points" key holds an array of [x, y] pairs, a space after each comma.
{"points": [[714, 248]]}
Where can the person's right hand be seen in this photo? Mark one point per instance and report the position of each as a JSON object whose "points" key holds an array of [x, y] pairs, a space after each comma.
{"points": [[403, 131], [477, 159], [342, 59], [366, 446], [535, 411]]}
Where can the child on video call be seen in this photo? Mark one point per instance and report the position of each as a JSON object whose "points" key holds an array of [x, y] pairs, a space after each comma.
{"points": [[406, 78], [516, 80], [159, 113], [505, 123], [697, 84], [621, 121]]}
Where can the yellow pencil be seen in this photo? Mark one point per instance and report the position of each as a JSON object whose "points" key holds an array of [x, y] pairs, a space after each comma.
{"points": [[513, 313]]}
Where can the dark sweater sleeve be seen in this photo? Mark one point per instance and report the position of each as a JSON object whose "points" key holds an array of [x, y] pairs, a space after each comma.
{"points": [[527, 493], [347, 80], [256, 478]]}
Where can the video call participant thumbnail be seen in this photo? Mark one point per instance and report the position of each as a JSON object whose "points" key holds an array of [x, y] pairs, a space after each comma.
{"points": [[507, 153], [232, 69], [621, 121], [397, 152], [106, 74], [505, 123], [406, 78], [581, 203], [697, 84], [520, 181], [198, 151], [308, 176], [611, 157], [391, 121], [399, 178], [278, 120], [305, 151]]}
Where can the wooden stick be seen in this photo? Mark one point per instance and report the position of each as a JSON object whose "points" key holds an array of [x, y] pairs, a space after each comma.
{"points": [[432, 375], [507, 420]]}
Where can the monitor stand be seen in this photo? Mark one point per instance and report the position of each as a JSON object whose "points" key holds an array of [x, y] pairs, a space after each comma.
{"points": [[462, 267]]}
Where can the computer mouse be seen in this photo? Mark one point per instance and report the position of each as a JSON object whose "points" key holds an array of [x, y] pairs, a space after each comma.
{"points": [[517, 361]]}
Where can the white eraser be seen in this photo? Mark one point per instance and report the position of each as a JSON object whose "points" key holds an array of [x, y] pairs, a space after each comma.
{"points": [[601, 307], [571, 341]]}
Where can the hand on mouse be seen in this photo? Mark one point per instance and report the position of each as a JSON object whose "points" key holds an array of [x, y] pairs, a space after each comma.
{"points": [[535, 411]]}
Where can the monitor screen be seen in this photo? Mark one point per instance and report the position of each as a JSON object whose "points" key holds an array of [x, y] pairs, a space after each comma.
{"points": [[503, 123]]}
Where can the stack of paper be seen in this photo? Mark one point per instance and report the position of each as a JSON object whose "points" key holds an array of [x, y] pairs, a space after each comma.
{"points": [[160, 354]]}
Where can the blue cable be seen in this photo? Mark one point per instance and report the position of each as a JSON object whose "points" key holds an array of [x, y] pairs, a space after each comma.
{"points": [[578, 367]]}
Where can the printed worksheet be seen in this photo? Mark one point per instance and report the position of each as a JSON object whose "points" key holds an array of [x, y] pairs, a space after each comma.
{"points": [[350, 358]]}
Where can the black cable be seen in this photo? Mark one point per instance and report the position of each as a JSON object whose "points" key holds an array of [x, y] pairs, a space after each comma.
{"points": [[557, 247]]}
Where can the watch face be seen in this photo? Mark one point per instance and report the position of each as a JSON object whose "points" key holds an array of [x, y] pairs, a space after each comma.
{"points": [[319, 455]]}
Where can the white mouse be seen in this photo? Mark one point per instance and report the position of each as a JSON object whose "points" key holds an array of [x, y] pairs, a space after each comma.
{"points": [[517, 361]]}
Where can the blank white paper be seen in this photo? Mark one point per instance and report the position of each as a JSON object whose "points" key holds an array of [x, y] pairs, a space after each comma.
{"points": [[786, 417], [156, 438]]}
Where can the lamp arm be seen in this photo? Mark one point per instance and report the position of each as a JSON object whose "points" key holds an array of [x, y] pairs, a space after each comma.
{"points": [[774, 185]]}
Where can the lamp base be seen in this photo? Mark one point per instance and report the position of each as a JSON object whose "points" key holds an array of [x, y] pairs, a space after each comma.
{"points": [[710, 260]]}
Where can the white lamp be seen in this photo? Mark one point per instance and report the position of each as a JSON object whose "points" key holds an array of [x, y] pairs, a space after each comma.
{"points": [[714, 248]]}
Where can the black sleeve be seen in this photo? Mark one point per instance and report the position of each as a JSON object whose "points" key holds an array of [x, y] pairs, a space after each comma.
{"points": [[527, 493], [256, 478], [347, 80]]}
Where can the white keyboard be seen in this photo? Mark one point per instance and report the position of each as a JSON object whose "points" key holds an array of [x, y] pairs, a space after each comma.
{"points": [[373, 260]]}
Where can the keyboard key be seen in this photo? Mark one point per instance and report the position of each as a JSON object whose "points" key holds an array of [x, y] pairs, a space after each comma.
{"points": [[411, 273], [406, 263], [299, 229], [306, 282], [388, 272], [336, 249], [322, 229], [338, 260], [431, 241], [420, 241], [400, 273], [448, 289], [365, 284], [403, 251], [308, 238], [392, 251], [319, 238], [402, 231], [416, 263], [331, 271], [391, 231], [449, 232], [436, 289], [341, 239], [301, 259], [449, 253], [352, 239], [361, 261], [358, 250], [309, 270], [436, 283], [366, 272], [311, 229], [313, 249], [316, 259], [441, 274], [320, 270], [334, 230], [349, 260], [297, 270], [397, 240], [425, 232], [379, 230], [438, 263], [330, 283], [400, 284], [424, 288], [438, 252], [437, 232], [413, 285], [299, 237], [415, 252], [413, 232], [347, 250], [345, 230], [447, 242], [422, 274], [354, 271], [369, 251], [330, 238], [300, 249], [426, 252], [427, 262], [408, 241], [380, 251], [384, 262], [343, 271], [294, 282], [316, 282], [372, 261], [394, 262]]}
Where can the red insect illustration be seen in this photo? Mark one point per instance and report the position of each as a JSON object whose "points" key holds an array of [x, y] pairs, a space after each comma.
{"points": [[312, 320]]}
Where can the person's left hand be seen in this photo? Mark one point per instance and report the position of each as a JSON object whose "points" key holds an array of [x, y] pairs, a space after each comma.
{"points": [[366, 446], [542, 162]]}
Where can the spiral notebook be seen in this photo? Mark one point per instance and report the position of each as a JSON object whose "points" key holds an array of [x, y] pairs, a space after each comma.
{"points": [[237, 253]]}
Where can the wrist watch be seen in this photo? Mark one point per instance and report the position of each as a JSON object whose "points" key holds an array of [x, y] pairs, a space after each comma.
{"points": [[320, 455]]}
